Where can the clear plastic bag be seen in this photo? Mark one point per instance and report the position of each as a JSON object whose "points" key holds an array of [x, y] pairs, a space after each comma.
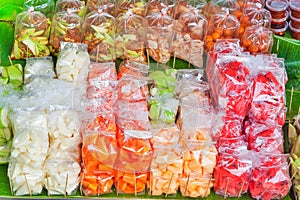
{"points": [[31, 35], [184, 6], [95, 184], [62, 177], [218, 6], [108, 6], [98, 35], [99, 72], [133, 68], [163, 110], [133, 88], [232, 174], [159, 5], [257, 39], [75, 6], [166, 169], [66, 27], [221, 26], [136, 6], [188, 44], [159, 36], [255, 14], [44, 6], [130, 182], [72, 63], [270, 177], [165, 135], [103, 90], [199, 157], [42, 67], [196, 185], [135, 152], [24, 179], [101, 121], [129, 39]]}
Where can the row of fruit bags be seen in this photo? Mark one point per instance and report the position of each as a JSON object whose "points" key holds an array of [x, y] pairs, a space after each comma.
{"points": [[266, 176], [98, 129], [45, 146], [246, 20]]}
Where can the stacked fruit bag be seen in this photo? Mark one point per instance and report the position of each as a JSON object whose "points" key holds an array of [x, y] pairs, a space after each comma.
{"points": [[166, 166], [98, 129], [199, 152], [263, 127], [133, 135], [229, 77]]}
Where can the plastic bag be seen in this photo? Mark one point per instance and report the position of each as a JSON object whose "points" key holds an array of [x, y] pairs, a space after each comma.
{"points": [[98, 35], [270, 177], [62, 177], [188, 42], [103, 90], [29, 151], [218, 6], [129, 39], [130, 182], [221, 26], [163, 110], [75, 6], [137, 7], [108, 6], [72, 63], [44, 6], [166, 169], [159, 36], [101, 121], [199, 157], [95, 184], [133, 88], [255, 14], [184, 6], [232, 174], [165, 135], [99, 72], [31, 35], [196, 185], [257, 39], [42, 67], [66, 27], [135, 151], [159, 5], [133, 68]]}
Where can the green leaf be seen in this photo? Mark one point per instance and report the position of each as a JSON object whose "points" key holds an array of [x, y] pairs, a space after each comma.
{"points": [[294, 109], [14, 2], [9, 12]]}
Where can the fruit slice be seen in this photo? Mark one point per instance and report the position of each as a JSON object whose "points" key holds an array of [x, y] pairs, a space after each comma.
{"points": [[4, 121]]}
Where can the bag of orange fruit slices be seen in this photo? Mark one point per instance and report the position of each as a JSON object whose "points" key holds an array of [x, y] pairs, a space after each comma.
{"points": [[103, 90], [165, 135], [131, 182], [99, 154], [217, 6], [196, 185], [158, 5], [133, 88], [129, 36], [199, 157], [101, 72], [107, 6], [135, 153], [103, 121], [257, 39], [184, 6], [165, 171], [133, 68], [255, 14], [134, 159], [222, 25]]}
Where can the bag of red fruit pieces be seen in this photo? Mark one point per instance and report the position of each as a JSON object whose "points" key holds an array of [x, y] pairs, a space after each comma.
{"points": [[232, 173], [270, 177]]}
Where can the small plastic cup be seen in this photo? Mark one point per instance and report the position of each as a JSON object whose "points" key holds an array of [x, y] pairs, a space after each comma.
{"points": [[279, 23], [294, 31], [295, 21], [281, 31], [277, 8], [295, 8]]}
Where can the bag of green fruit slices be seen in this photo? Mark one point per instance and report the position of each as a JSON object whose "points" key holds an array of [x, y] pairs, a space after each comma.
{"points": [[31, 35]]}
